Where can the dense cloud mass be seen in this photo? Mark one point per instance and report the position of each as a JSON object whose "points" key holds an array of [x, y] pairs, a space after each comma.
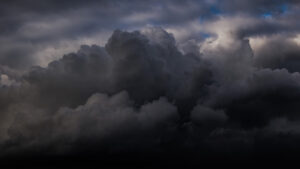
{"points": [[136, 79]]}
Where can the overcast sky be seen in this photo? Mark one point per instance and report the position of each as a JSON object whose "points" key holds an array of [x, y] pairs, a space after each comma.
{"points": [[115, 79]]}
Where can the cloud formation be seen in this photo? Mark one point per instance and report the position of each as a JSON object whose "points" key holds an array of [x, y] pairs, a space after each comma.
{"points": [[203, 78]]}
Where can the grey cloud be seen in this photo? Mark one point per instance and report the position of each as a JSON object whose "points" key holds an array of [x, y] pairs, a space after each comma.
{"points": [[277, 53], [265, 95], [129, 62], [205, 116], [102, 118], [146, 66], [139, 93], [35, 26], [257, 7]]}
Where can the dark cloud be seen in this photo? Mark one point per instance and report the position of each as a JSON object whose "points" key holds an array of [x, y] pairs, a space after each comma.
{"points": [[102, 120], [42, 25], [212, 80], [129, 62], [205, 116], [139, 93], [30, 29], [257, 7], [278, 53]]}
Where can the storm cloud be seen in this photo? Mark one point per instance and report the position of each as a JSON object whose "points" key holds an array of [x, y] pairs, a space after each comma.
{"points": [[131, 80]]}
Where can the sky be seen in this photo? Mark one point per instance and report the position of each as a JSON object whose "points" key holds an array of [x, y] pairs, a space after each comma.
{"points": [[149, 81]]}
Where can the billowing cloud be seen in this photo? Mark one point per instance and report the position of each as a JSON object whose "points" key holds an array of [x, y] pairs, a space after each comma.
{"points": [[131, 79], [103, 120]]}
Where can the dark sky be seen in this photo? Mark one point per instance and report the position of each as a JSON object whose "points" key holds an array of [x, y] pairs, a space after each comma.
{"points": [[149, 81]]}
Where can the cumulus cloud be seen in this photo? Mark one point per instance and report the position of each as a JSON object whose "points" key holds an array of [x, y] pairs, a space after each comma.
{"points": [[140, 90], [212, 78], [145, 68]]}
